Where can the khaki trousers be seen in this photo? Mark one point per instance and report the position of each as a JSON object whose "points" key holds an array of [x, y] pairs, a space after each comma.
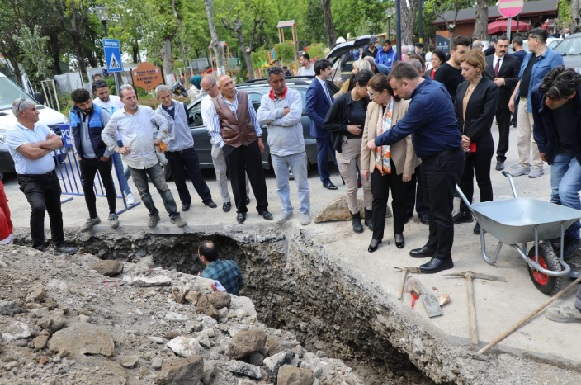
{"points": [[349, 161], [525, 143]]}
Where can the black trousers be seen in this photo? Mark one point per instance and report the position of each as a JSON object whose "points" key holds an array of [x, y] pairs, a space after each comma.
{"points": [[440, 174], [89, 168], [244, 160], [43, 192], [503, 119], [477, 163], [380, 186], [185, 162], [415, 194]]}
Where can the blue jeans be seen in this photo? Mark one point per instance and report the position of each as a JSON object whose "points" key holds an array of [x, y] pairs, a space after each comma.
{"points": [[120, 174], [142, 177], [565, 186], [298, 166]]}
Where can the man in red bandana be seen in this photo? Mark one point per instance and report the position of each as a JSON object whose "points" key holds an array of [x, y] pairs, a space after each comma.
{"points": [[281, 110]]}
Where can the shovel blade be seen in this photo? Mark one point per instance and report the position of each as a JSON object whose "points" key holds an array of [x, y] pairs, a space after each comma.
{"points": [[432, 306]]}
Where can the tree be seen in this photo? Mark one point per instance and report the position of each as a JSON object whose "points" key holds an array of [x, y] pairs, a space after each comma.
{"points": [[34, 56], [328, 17], [441, 8], [215, 41], [481, 19]]}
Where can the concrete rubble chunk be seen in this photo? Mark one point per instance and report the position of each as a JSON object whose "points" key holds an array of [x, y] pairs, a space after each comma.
{"points": [[185, 347], [181, 372], [243, 303], [244, 369], [247, 342], [219, 299], [156, 363], [274, 363], [40, 341], [204, 306], [291, 375], [158, 280], [176, 317], [9, 307], [37, 294], [82, 338], [338, 210], [17, 330], [108, 268], [192, 296], [128, 361]]}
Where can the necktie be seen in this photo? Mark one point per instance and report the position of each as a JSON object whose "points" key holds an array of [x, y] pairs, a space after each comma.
{"points": [[327, 94], [496, 67]]}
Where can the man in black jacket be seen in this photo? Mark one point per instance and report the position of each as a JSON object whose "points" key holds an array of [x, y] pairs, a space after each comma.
{"points": [[449, 73], [503, 69], [556, 106]]}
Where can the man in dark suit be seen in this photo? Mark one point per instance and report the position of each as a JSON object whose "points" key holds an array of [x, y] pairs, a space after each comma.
{"points": [[318, 102], [503, 69]]}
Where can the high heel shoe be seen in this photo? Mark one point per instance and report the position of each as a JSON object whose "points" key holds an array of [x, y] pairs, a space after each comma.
{"points": [[399, 241], [373, 245]]}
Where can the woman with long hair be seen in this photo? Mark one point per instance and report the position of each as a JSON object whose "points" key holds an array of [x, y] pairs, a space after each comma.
{"points": [[388, 167], [476, 102], [345, 120]]}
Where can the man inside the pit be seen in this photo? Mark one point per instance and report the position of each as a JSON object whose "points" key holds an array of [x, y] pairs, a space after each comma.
{"points": [[227, 272]]}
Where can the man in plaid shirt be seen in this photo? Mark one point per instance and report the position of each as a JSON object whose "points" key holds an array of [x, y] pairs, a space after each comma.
{"points": [[226, 272]]}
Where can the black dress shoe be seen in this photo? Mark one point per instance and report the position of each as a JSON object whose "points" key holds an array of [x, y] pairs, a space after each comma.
{"points": [[241, 217], [499, 166], [424, 219], [247, 200], [186, 207], [211, 204], [399, 241], [422, 252], [41, 248], [226, 206], [436, 265], [329, 185], [373, 245], [463, 217], [64, 249], [266, 215], [477, 228]]}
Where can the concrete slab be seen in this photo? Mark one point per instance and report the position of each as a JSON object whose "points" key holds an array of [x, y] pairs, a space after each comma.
{"points": [[499, 305]]}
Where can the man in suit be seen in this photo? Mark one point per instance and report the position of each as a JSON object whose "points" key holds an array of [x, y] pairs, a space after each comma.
{"points": [[318, 102], [503, 69]]}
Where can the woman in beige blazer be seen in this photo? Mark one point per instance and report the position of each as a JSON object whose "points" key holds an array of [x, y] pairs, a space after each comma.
{"points": [[388, 167]]}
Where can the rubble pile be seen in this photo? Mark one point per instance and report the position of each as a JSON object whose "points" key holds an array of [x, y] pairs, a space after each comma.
{"points": [[80, 320]]}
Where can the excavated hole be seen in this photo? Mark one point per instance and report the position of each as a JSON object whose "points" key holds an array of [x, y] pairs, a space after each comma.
{"points": [[327, 311]]}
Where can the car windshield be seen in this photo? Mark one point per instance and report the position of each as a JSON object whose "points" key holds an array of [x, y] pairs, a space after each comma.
{"points": [[570, 46], [9, 92]]}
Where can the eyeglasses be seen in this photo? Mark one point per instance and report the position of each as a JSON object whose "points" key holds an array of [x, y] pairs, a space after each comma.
{"points": [[209, 88], [19, 103]]}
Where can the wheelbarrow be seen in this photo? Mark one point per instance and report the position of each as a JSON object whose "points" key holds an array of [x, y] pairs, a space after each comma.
{"points": [[522, 220]]}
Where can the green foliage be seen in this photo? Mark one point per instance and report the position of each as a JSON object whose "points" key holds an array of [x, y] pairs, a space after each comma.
{"points": [[34, 53], [316, 51], [285, 52], [352, 16], [565, 17], [259, 58]]}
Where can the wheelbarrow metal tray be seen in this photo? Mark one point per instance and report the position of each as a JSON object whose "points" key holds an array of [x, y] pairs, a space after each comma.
{"points": [[513, 221]]}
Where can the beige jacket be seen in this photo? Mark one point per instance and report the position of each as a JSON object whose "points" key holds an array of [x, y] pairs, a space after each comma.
{"points": [[402, 152]]}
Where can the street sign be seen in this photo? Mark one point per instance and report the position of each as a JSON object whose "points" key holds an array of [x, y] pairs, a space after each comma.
{"points": [[112, 49], [510, 8]]}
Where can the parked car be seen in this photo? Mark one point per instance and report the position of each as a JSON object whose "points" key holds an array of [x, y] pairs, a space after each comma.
{"points": [[255, 89], [9, 92], [570, 48]]}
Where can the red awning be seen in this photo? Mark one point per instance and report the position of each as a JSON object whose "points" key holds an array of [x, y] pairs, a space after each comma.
{"points": [[500, 26]]}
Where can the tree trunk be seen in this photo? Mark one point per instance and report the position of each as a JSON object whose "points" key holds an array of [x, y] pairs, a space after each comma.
{"points": [[135, 51], [167, 57], [331, 35], [55, 53], [481, 27], [214, 40], [246, 52]]}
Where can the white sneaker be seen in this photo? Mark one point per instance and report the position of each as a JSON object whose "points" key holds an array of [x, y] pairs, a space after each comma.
{"points": [[283, 217], [536, 172], [7, 241], [520, 170], [90, 223], [305, 219], [130, 199]]}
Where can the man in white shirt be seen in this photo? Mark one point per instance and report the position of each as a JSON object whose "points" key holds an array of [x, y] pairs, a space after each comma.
{"points": [[111, 104], [307, 69], [137, 125]]}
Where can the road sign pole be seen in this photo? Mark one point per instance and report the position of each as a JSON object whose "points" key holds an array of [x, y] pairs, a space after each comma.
{"points": [[508, 28]]}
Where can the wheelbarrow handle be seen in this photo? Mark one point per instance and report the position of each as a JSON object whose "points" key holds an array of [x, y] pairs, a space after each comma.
{"points": [[510, 179], [459, 191]]}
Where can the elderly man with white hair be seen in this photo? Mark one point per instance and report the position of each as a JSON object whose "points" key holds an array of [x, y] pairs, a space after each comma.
{"points": [[181, 154]]}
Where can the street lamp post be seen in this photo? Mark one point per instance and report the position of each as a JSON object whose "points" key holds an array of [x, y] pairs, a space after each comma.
{"points": [[389, 14], [103, 15]]}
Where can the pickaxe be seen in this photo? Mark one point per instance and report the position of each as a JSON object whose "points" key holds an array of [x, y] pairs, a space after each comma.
{"points": [[405, 271], [470, 276]]}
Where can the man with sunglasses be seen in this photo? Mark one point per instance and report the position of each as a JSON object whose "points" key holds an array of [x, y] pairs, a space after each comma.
{"points": [[31, 145], [535, 66], [556, 106]]}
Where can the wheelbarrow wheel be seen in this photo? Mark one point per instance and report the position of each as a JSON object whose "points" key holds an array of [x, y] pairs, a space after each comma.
{"points": [[547, 259]]}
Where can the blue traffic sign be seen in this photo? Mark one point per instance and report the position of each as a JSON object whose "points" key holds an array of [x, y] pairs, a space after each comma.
{"points": [[112, 49]]}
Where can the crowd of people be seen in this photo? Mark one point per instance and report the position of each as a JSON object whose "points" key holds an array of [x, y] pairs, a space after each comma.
{"points": [[416, 133]]}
